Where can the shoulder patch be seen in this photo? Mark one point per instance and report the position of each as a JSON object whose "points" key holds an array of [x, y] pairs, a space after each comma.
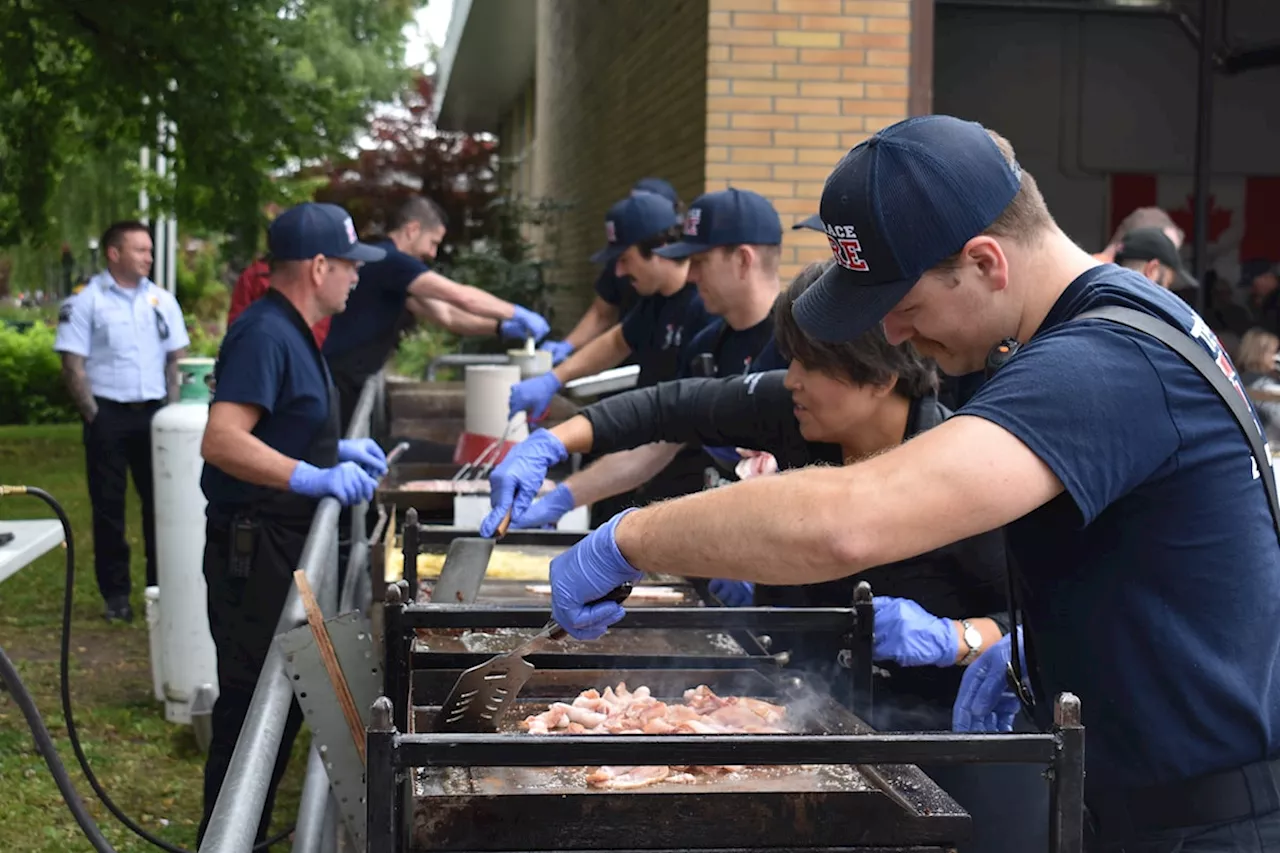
{"points": [[64, 312]]}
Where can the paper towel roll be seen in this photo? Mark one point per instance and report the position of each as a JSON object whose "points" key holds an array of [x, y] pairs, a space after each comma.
{"points": [[488, 393]]}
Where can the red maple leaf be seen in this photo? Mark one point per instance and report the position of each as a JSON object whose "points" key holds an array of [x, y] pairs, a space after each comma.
{"points": [[1219, 218]]}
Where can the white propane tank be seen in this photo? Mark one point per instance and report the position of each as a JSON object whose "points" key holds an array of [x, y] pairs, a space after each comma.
{"points": [[188, 655]]}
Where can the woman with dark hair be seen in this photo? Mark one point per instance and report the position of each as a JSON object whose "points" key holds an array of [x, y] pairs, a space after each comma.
{"points": [[836, 404]]}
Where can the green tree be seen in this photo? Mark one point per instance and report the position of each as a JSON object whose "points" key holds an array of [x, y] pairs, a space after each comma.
{"points": [[254, 88]]}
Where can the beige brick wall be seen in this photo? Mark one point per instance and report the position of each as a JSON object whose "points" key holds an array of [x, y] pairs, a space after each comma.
{"points": [[791, 86], [620, 94]]}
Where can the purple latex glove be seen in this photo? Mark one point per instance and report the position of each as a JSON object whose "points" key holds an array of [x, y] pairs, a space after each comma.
{"points": [[909, 635], [733, 593], [366, 453], [515, 482], [347, 482], [560, 350], [586, 572], [545, 511], [533, 395], [525, 324], [728, 455], [986, 702]]}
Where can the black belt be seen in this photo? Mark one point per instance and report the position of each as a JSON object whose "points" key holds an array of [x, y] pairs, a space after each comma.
{"points": [[1230, 795], [138, 406]]}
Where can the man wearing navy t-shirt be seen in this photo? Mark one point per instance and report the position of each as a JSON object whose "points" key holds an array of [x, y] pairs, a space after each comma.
{"points": [[362, 337], [1138, 525]]}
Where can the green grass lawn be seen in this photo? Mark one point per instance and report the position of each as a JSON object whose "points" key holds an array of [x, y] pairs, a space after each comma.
{"points": [[150, 768]]}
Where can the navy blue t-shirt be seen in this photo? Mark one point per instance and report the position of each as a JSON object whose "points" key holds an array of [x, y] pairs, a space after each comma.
{"points": [[658, 328], [770, 358], [366, 332], [1152, 585], [734, 352], [617, 290], [266, 361]]}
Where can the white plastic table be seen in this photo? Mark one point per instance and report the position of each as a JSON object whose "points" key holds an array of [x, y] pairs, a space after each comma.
{"points": [[33, 538]]}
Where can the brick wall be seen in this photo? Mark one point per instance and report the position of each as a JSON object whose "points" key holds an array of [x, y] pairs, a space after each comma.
{"points": [[792, 85], [621, 93]]}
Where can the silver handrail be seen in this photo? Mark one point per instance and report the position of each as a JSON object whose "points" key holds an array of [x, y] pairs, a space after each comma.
{"points": [[233, 825], [460, 359]]}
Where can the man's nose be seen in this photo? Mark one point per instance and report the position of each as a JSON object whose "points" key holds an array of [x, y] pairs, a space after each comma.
{"points": [[896, 331]]}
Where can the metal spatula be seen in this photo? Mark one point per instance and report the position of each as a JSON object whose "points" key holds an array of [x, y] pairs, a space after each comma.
{"points": [[463, 570], [484, 692]]}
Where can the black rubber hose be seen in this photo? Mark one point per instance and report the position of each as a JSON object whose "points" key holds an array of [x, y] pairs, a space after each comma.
{"points": [[64, 661], [44, 743]]}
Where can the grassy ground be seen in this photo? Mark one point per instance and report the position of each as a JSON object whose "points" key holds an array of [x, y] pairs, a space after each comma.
{"points": [[151, 769]]}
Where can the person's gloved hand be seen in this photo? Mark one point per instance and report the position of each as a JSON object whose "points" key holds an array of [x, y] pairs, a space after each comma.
{"points": [[909, 635], [727, 455], [733, 593], [515, 482], [533, 395], [586, 572], [986, 703], [560, 350], [525, 324], [366, 453], [545, 511], [346, 481]]}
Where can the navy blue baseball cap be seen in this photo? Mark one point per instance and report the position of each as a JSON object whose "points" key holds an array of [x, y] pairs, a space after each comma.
{"points": [[726, 218], [813, 223], [657, 186], [636, 218], [898, 204], [306, 230]]}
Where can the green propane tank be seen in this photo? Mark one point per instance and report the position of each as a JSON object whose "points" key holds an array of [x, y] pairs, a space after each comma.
{"points": [[195, 380]]}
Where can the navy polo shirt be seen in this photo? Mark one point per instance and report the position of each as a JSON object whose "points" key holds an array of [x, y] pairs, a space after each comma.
{"points": [[1152, 585], [367, 330], [734, 351], [267, 361], [658, 328]]}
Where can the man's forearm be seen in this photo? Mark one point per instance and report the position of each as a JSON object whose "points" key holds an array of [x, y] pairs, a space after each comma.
{"points": [[604, 352], [452, 318], [473, 300], [244, 456], [77, 382], [620, 472], [597, 320], [172, 381]]}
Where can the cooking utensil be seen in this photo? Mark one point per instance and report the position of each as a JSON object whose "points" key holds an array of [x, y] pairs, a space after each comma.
{"points": [[480, 467], [484, 692], [465, 565], [396, 453]]}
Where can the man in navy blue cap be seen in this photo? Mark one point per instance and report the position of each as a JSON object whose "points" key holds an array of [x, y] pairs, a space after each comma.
{"points": [[1133, 480], [615, 295], [731, 240], [272, 449], [668, 314]]}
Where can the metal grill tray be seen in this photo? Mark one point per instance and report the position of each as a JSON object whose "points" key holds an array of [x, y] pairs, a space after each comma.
{"points": [[552, 808]]}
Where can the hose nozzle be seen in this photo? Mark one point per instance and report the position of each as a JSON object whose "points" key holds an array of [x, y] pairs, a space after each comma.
{"points": [[12, 490]]}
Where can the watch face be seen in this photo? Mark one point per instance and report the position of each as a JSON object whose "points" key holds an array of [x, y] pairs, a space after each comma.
{"points": [[973, 637]]}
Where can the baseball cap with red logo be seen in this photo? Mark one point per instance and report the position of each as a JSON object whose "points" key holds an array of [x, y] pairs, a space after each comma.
{"points": [[306, 230], [898, 204], [638, 217], [729, 217]]}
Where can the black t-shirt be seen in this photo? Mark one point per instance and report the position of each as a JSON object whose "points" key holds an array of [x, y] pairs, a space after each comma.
{"points": [[617, 290], [658, 328], [733, 351], [958, 581], [362, 337]]}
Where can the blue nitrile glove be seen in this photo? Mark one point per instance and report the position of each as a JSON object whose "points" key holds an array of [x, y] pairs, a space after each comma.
{"points": [[985, 702], [909, 635], [346, 481], [560, 350], [366, 453], [545, 511], [525, 324], [586, 572], [515, 482], [733, 593], [533, 396], [727, 455]]}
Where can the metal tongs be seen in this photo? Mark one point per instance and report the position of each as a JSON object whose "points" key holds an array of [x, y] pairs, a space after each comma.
{"points": [[482, 465], [484, 692]]}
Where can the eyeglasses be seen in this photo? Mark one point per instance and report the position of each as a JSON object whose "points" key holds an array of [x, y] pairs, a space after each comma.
{"points": [[161, 326]]}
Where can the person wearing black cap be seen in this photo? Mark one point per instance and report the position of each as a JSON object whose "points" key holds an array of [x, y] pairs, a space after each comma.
{"points": [[731, 240], [1135, 488], [272, 449], [669, 312], [1152, 253], [615, 295]]}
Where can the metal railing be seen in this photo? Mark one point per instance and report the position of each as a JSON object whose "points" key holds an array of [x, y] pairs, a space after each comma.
{"points": [[460, 359], [234, 824]]}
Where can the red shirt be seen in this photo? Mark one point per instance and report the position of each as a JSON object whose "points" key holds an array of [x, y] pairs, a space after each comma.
{"points": [[250, 286]]}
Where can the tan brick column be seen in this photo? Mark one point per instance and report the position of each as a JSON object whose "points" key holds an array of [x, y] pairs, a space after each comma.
{"points": [[791, 86]]}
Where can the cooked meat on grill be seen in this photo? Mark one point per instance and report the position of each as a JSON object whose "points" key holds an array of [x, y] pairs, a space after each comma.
{"points": [[622, 711]]}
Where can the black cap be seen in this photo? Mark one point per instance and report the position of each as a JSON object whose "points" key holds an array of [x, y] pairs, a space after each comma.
{"points": [[813, 223], [306, 230], [1152, 244], [726, 218], [636, 218], [897, 205]]}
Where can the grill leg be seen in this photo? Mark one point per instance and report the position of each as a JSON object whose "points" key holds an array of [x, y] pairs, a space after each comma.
{"points": [[1066, 803], [382, 811]]}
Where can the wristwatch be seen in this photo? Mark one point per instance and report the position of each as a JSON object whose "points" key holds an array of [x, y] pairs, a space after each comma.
{"points": [[972, 639]]}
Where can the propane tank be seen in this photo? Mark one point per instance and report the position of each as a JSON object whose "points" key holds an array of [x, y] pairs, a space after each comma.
{"points": [[188, 657]]}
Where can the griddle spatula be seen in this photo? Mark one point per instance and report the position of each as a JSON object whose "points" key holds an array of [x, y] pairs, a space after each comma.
{"points": [[463, 570], [484, 692]]}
